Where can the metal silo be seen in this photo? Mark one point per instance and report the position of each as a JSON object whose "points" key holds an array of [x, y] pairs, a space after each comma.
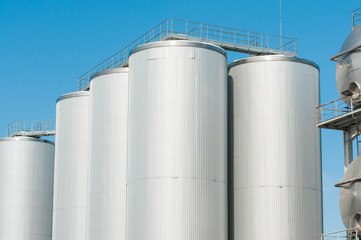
{"points": [[177, 154], [26, 188], [71, 166], [108, 154], [276, 148]]}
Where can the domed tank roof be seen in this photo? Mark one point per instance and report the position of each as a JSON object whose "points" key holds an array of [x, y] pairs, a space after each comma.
{"points": [[353, 40], [348, 74], [350, 195]]}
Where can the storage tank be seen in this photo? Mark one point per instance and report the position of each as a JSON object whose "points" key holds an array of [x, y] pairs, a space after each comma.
{"points": [[348, 68], [71, 166], [276, 154], [108, 154], [350, 201], [177, 174], [26, 188]]}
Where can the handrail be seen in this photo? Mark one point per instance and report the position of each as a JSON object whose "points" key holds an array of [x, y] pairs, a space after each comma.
{"points": [[356, 19], [35, 128], [230, 39], [334, 58], [352, 180], [348, 234], [337, 107]]}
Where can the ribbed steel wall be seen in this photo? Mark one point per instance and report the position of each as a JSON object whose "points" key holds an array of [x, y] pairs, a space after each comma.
{"points": [[108, 155], [177, 174], [276, 150], [71, 166], [26, 188]]}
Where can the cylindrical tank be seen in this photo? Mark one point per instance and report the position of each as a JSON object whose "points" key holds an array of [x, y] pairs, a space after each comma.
{"points": [[108, 154], [348, 69], [177, 174], [26, 188], [71, 166], [350, 195], [276, 153]]}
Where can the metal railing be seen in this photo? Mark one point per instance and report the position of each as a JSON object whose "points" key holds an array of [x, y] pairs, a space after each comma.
{"points": [[356, 18], [35, 128], [337, 107], [174, 29], [347, 234]]}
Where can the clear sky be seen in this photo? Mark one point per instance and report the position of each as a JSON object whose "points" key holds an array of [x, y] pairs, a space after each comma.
{"points": [[46, 45]]}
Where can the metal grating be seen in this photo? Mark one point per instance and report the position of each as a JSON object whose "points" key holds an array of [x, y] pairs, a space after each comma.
{"points": [[35, 128], [230, 39]]}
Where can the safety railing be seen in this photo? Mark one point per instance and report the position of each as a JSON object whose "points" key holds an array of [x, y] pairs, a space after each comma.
{"points": [[174, 29], [356, 18], [347, 234], [338, 107], [35, 128]]}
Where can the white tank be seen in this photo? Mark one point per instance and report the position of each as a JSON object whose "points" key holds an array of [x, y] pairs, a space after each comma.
{"points": [[275, 153], [348, 69], [26, 188], [71, 166], [108, 154], [177, 173], [350, 192]]}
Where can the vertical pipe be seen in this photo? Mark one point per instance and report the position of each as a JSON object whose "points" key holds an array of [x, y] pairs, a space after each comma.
{"points": [[357, 145], [347, 149]]}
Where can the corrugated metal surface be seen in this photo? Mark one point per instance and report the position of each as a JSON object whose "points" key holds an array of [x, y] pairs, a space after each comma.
{"points": [[26, 188], [276, 149], [108, 155], [71, 167], [177, 174]]}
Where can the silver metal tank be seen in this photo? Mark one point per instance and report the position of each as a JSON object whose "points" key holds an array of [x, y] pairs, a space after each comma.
{"points": [[177, 173], [71, 166], [350, 195], [108, 154], [26, 188], [348, 68], [276, 153]]}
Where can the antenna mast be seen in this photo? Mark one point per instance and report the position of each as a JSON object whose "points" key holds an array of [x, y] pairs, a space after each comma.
{"points": [[281, 23]]}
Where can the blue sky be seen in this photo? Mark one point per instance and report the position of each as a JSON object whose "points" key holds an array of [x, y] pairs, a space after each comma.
{"points": [[46, 45]]}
